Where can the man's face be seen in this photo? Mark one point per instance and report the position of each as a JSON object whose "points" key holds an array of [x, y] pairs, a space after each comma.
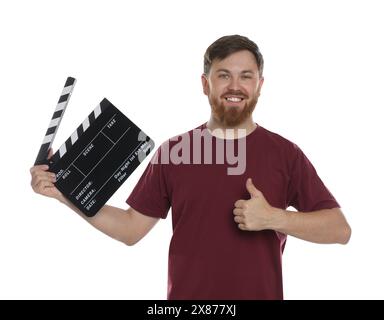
{"points": [[233, 87]]}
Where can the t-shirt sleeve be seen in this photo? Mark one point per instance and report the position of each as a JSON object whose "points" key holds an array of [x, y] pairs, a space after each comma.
{"points": [[306, 191], [150, 196]]}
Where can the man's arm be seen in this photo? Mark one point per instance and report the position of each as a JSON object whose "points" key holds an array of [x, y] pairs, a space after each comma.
{"points": [[322, 226], [127, 226]]}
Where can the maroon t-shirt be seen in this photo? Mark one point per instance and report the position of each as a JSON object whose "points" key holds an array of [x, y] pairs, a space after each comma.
{"points": [[209, 256]]}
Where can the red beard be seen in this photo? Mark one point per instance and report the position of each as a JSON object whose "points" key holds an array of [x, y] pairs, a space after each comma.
{"points": [[232, 116]]}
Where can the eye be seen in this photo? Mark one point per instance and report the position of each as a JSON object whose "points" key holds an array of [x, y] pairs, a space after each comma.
{"points": [[224, 76], [246, 76]]}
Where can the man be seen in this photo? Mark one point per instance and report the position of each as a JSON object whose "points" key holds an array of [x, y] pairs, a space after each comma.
{"points": [[229, 227]]}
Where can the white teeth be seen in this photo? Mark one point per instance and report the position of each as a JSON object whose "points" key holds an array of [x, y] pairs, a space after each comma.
{"points": [[233, 99]]}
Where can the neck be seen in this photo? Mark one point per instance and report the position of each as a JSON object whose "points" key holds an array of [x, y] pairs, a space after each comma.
{"points": [[247, 126]]}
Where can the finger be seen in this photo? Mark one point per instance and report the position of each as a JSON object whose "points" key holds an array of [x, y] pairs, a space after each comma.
{"points": [[253, 191], [239, 219], [39, 176], [40, 167], [42, 185], [50, 153], [242, 226], [43, 175], [239, 203], [238, 211], [52, 192]]}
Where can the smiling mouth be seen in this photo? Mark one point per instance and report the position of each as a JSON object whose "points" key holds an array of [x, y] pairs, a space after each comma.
{"points": [[234, 99]]}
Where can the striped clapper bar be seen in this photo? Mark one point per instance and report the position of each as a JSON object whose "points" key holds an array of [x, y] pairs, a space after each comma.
{"points": [[98, 157], [55, 121]]}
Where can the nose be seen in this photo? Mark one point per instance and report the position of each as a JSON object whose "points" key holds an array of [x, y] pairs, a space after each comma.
{"points": [[234, 84]]}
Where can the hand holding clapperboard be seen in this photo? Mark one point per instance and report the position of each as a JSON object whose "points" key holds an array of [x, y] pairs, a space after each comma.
{"points": [[98, 156]]}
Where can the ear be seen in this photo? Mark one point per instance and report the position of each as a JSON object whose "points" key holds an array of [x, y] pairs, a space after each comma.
{"points": [[204, 82], [261, 81]]}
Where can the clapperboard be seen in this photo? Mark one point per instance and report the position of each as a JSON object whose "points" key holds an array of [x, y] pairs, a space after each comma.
{"points": [[98, 156]]}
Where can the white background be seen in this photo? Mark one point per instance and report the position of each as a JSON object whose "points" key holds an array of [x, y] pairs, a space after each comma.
{"points": [[323, 90]]}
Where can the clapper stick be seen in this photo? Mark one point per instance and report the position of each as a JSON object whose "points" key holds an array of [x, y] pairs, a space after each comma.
{"points": [[55, 121]]}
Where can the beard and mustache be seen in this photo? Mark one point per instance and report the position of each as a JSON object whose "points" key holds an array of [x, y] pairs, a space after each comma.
{"points": [[232, 116]]}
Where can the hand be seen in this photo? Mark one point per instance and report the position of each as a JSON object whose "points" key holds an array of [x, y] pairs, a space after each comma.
{"points": [[254, 214], [42, 181]]}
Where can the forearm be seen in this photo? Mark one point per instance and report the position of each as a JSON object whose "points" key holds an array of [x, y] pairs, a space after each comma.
{"points": [[112, 221], [322, 226], [128, 226]]}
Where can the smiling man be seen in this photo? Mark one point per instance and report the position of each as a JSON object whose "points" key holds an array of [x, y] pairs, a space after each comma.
{"points": [[233, 86], [229, 227]]}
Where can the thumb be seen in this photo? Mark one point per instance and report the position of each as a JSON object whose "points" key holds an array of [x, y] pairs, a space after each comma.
{"points": [[253, 191], [50, 153]]}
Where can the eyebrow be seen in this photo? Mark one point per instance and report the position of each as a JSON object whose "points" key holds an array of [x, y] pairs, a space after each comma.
{"points": [[227, 71]]}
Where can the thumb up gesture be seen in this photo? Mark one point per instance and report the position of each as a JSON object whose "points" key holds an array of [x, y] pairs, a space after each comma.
{"points": [[254, 214]]}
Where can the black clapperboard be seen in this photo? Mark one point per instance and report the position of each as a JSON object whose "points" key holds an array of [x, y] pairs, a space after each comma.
{"points": [[99, 155]]}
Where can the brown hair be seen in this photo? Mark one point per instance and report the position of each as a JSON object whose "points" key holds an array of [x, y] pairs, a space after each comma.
{"points": [[225, 46]]}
